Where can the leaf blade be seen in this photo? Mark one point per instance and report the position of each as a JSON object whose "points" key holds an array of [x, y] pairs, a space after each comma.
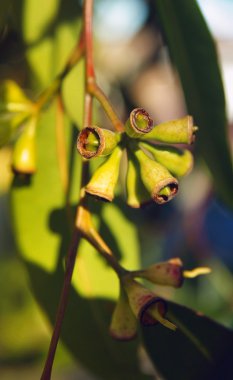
{"points": [[179, 356], [193, 50]]}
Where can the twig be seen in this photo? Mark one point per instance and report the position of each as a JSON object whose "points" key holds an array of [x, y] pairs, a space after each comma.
{"points": [[71, 256]]}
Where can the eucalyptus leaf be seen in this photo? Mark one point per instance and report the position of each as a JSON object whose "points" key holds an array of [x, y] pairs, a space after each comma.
{"points": [[12, 98], [194, 53], [50, 36], [199, 349]]}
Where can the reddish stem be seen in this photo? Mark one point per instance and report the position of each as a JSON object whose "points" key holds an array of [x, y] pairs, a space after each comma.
{"points": [[71, 256], [88, 16], [96, 91], [88, 110], [89, 64], [92, 90]]}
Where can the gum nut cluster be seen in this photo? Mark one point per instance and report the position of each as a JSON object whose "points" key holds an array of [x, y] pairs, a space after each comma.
{"points": [[154, 163], [136, 303]]}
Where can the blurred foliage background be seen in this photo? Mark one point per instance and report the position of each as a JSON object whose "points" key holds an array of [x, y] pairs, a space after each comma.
{"points": [[134, 69]]}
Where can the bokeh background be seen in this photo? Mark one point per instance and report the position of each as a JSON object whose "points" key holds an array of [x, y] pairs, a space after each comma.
{"points": [[134, 69]]}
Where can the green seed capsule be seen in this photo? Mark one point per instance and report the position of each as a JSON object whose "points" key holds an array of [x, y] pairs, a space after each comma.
{"points": [[139, 123], [103, 182], [96, 142], [178, 162], [124, 323], [169, 273], [158, 181], [141, 300], [181, 131], [137, 195]]}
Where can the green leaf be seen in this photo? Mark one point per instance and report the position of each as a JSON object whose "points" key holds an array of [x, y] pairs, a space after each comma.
{"points": [[12, 98], [49, 36], [42, 236], [193, 51], [50, 43], [199, 349]]}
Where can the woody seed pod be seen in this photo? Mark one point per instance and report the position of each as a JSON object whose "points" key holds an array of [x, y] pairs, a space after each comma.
{"points": [[139, 123], [148, 308], [178, 162], [169, 273], [103, 182], [137, 195], [158, 181], [124, 323], [96, 142], [180, 131]]}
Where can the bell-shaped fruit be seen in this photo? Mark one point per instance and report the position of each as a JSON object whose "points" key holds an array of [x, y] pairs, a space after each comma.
{"points": [[24, 154], [178, 161], [148, 308], [124, 323], [137, 195], [103, 182], [180, 131], [168, 273], [158, 181], [139, 123], [96, 142]]}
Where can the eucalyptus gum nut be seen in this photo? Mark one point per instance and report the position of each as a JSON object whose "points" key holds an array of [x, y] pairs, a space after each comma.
{"points": [[140, 301], [139, 123], [178, 161], [168, 273], [103, 182], [180, 131], [159, 182], [137, 195], [24, 153], [96, 142], [123, 323]]}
